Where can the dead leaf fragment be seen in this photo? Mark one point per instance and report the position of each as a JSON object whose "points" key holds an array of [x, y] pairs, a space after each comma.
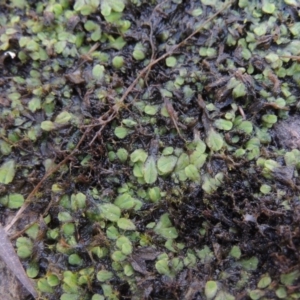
{"points": [[9, 256]]}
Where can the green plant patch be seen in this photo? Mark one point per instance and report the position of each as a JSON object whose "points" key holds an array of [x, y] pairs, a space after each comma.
{"points": [[149, 149]]}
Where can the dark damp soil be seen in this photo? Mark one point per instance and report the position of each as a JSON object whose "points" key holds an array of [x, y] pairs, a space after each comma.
{"points": [[224, 111]]}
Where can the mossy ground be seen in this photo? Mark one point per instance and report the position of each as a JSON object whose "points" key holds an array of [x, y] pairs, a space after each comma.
{"points": [[140, 140]]}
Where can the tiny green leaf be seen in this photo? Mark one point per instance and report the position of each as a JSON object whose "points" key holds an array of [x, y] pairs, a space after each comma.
{"points": [[177, 264], [75, 259], [118, 256], [205, 254], [256, 294], [52, 280], [122, 154], [162, 267], [47, 125], [245, 126], [150, 171], [197, 12], [165, 229], [117, 5], [78, 201], [138, 169], [126, 248], [154, 194], [264, 282], [118, 62], [171, 61], [112, 232], [265, 189], [183, 161], [15, 201], [268, 7], [32, 46], [64, 216], [214, 140], [63, 118], [151, 110], [166, 164], [211, 289], [291, 2], [197, 158], [68, 229], [90, 25], [43, 286], [60, 46], [98, 72], [125, 201], [192, 173], [271, 119], [138, 52], [222, 295], [24, 247], [105, 8], [121, 132], [272, 57], [32, 271], [163, 222], [69, 296], [281, 293], [104, 275], [249, 264], [223, 124], [121, 241], [128, 270], [117, 43], [235, 252], [97, 297], [129, 122], [288, 279], [138, 155], [34, 104], [5, 147], [126, 224], [239, 90], [168, 233], [271, 164], [261, 30], [7, 171], [124, 244], [168, 151]]}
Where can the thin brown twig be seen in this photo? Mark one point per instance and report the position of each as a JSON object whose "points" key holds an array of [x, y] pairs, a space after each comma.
{"points": [[110, 116], [294, 57], [154, 62], [46, 176], [170, 52], [149, 23], [9, 256]]}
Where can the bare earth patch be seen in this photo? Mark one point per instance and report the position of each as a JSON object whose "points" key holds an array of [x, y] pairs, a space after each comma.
{"points": [[288, 133], [10, 287]]}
